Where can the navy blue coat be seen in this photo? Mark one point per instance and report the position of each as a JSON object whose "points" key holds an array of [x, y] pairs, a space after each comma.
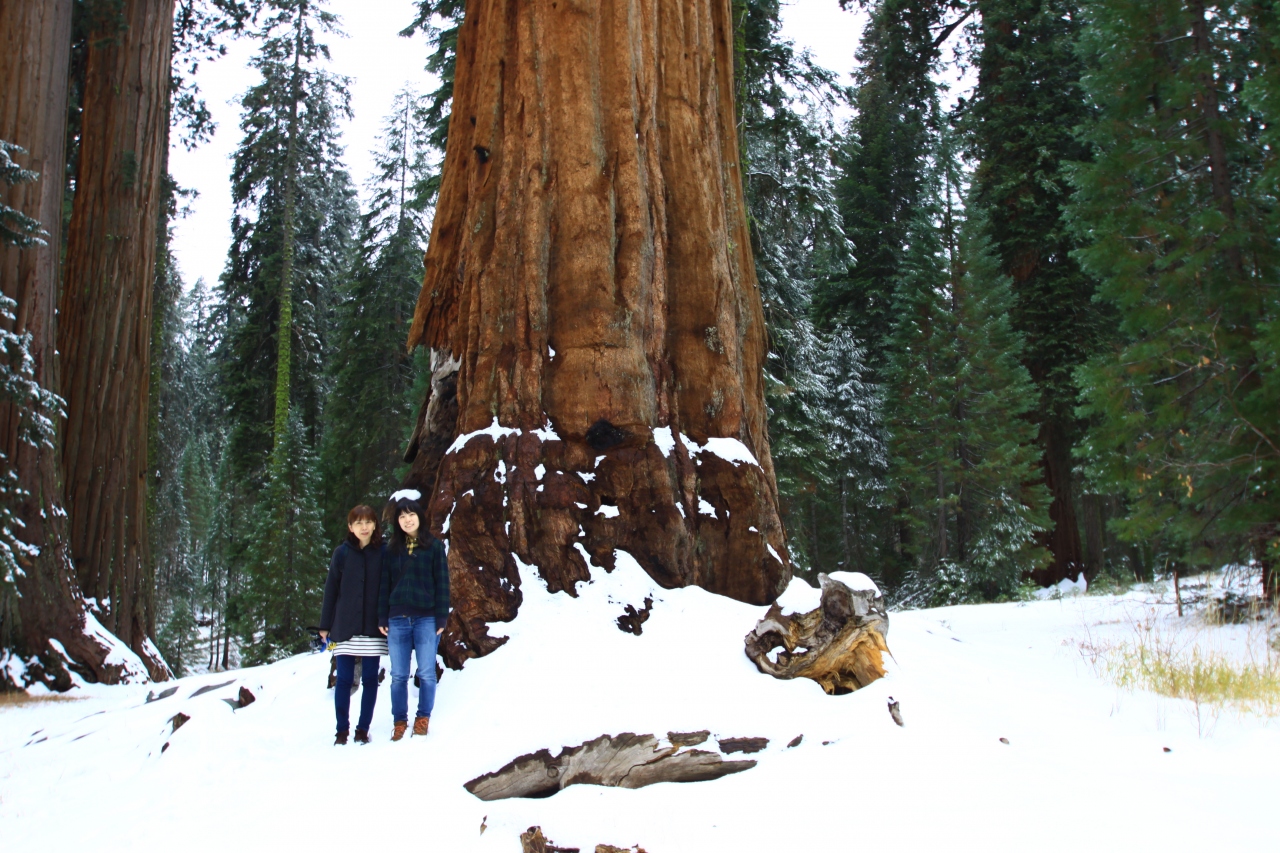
{"points": [[351, 593]]}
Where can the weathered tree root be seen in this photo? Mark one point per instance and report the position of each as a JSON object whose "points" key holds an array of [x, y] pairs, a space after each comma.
{"points": [[838, 645], [619, 761]]}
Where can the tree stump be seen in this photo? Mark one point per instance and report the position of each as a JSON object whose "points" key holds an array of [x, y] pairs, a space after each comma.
{"points": [[838, 645]]}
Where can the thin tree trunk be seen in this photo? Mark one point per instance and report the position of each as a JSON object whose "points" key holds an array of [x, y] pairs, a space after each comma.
{"points": [[1063, 537], [1207, 100], [590, 268], [1093, 533], [35, 42], [104, 332]]}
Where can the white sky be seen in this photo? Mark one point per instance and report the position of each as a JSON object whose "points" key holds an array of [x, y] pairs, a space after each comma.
{"points": [[379, 64]]}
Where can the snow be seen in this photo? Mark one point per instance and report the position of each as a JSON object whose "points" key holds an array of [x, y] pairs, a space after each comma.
{"points": [[730, 450], [406, 495], [1084, 766], [799, 597], [1064, 588], [856, 581], [705, 508], [494, 431], [663, 438], [607, 511]]}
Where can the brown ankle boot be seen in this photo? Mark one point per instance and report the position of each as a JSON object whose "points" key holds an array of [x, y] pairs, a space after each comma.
{"points": [[420, 725], [397, 731], [340, 739], [362, 736]]}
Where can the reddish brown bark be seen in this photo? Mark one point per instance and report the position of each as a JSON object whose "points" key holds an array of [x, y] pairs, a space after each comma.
{"points": [[35, 41], [1063, 537], [104, 333], [591, 206]]}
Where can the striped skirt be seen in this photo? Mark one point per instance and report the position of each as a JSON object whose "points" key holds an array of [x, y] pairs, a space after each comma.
{"points": [[364, 647]]}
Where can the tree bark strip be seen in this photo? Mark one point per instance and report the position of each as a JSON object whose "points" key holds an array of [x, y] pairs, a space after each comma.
{"points": [[105, 325], [35, 44], [590, 268]]}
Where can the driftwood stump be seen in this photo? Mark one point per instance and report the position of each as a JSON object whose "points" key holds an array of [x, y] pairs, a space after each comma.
{"points": [[838, 645]]}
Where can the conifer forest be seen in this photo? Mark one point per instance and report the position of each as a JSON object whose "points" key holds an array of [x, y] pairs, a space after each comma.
{"points": [[993, 306]]}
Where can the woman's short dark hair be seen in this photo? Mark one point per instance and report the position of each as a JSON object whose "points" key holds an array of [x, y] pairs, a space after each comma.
{"points": [[363, 512], [397, 508]]}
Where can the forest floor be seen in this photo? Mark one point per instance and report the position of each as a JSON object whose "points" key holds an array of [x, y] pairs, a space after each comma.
{"points": [[1026, 729]]}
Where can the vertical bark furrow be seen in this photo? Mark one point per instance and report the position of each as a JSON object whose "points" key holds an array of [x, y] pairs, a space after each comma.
{"points": [[589, 267]]}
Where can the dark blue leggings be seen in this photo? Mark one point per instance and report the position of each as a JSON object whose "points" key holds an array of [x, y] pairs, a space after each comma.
{"points": [[342, 690]]}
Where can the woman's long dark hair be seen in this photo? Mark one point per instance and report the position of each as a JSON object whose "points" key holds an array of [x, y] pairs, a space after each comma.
{"points": [[397, 508], [364, 512]]}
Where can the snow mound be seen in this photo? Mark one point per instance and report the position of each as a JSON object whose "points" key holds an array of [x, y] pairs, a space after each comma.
{"points": [[1064, 588], [266, 776]]}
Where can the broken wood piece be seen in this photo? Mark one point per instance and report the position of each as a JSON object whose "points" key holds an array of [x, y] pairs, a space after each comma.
{"points": [[742, 744], [533, 841], [688, 738], [839, 645]]}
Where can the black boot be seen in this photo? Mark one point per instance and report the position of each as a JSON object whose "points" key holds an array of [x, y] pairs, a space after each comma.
{"points": [[340, 739]]}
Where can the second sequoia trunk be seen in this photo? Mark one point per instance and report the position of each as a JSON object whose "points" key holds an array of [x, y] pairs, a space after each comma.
{"points": [[104, 332], [590, 271]]}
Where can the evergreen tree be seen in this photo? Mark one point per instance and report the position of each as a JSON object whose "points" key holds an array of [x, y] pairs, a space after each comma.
{"points": [[961, 448], [1178, 213], [821, 412], [291, 237], [882, 164], [19, 388], [440, 21], [1021, 127], [370, 410], [286, 563], [291, 245]]}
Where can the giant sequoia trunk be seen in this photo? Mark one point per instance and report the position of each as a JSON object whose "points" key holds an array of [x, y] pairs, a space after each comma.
{"points": [[35, 41], [104, 333], [590, 271]]}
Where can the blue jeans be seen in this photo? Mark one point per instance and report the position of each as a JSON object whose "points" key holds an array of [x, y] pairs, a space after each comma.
{"points": [[412, 634], [342, 690]]}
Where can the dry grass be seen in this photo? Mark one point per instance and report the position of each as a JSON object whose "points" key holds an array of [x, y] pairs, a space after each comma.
{"points": [[1191, 662], [15, 699]]}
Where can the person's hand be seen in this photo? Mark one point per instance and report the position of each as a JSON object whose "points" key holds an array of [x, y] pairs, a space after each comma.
{"points": [[439, 631], [324, 635], [384, 631]]}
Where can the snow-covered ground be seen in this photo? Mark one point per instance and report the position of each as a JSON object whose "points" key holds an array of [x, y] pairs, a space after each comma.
{"points": [[1086, 766]]}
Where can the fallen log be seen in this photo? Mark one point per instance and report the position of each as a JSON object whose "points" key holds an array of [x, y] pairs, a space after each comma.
{"points": [[839, 644], [616, 761]]}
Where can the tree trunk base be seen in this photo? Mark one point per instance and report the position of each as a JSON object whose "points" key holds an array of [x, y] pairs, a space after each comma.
{"points": [[839, 645]]}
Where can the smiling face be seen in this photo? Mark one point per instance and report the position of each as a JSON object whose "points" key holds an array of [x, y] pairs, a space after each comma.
{"points": [[362, 528], [409, 523]]}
